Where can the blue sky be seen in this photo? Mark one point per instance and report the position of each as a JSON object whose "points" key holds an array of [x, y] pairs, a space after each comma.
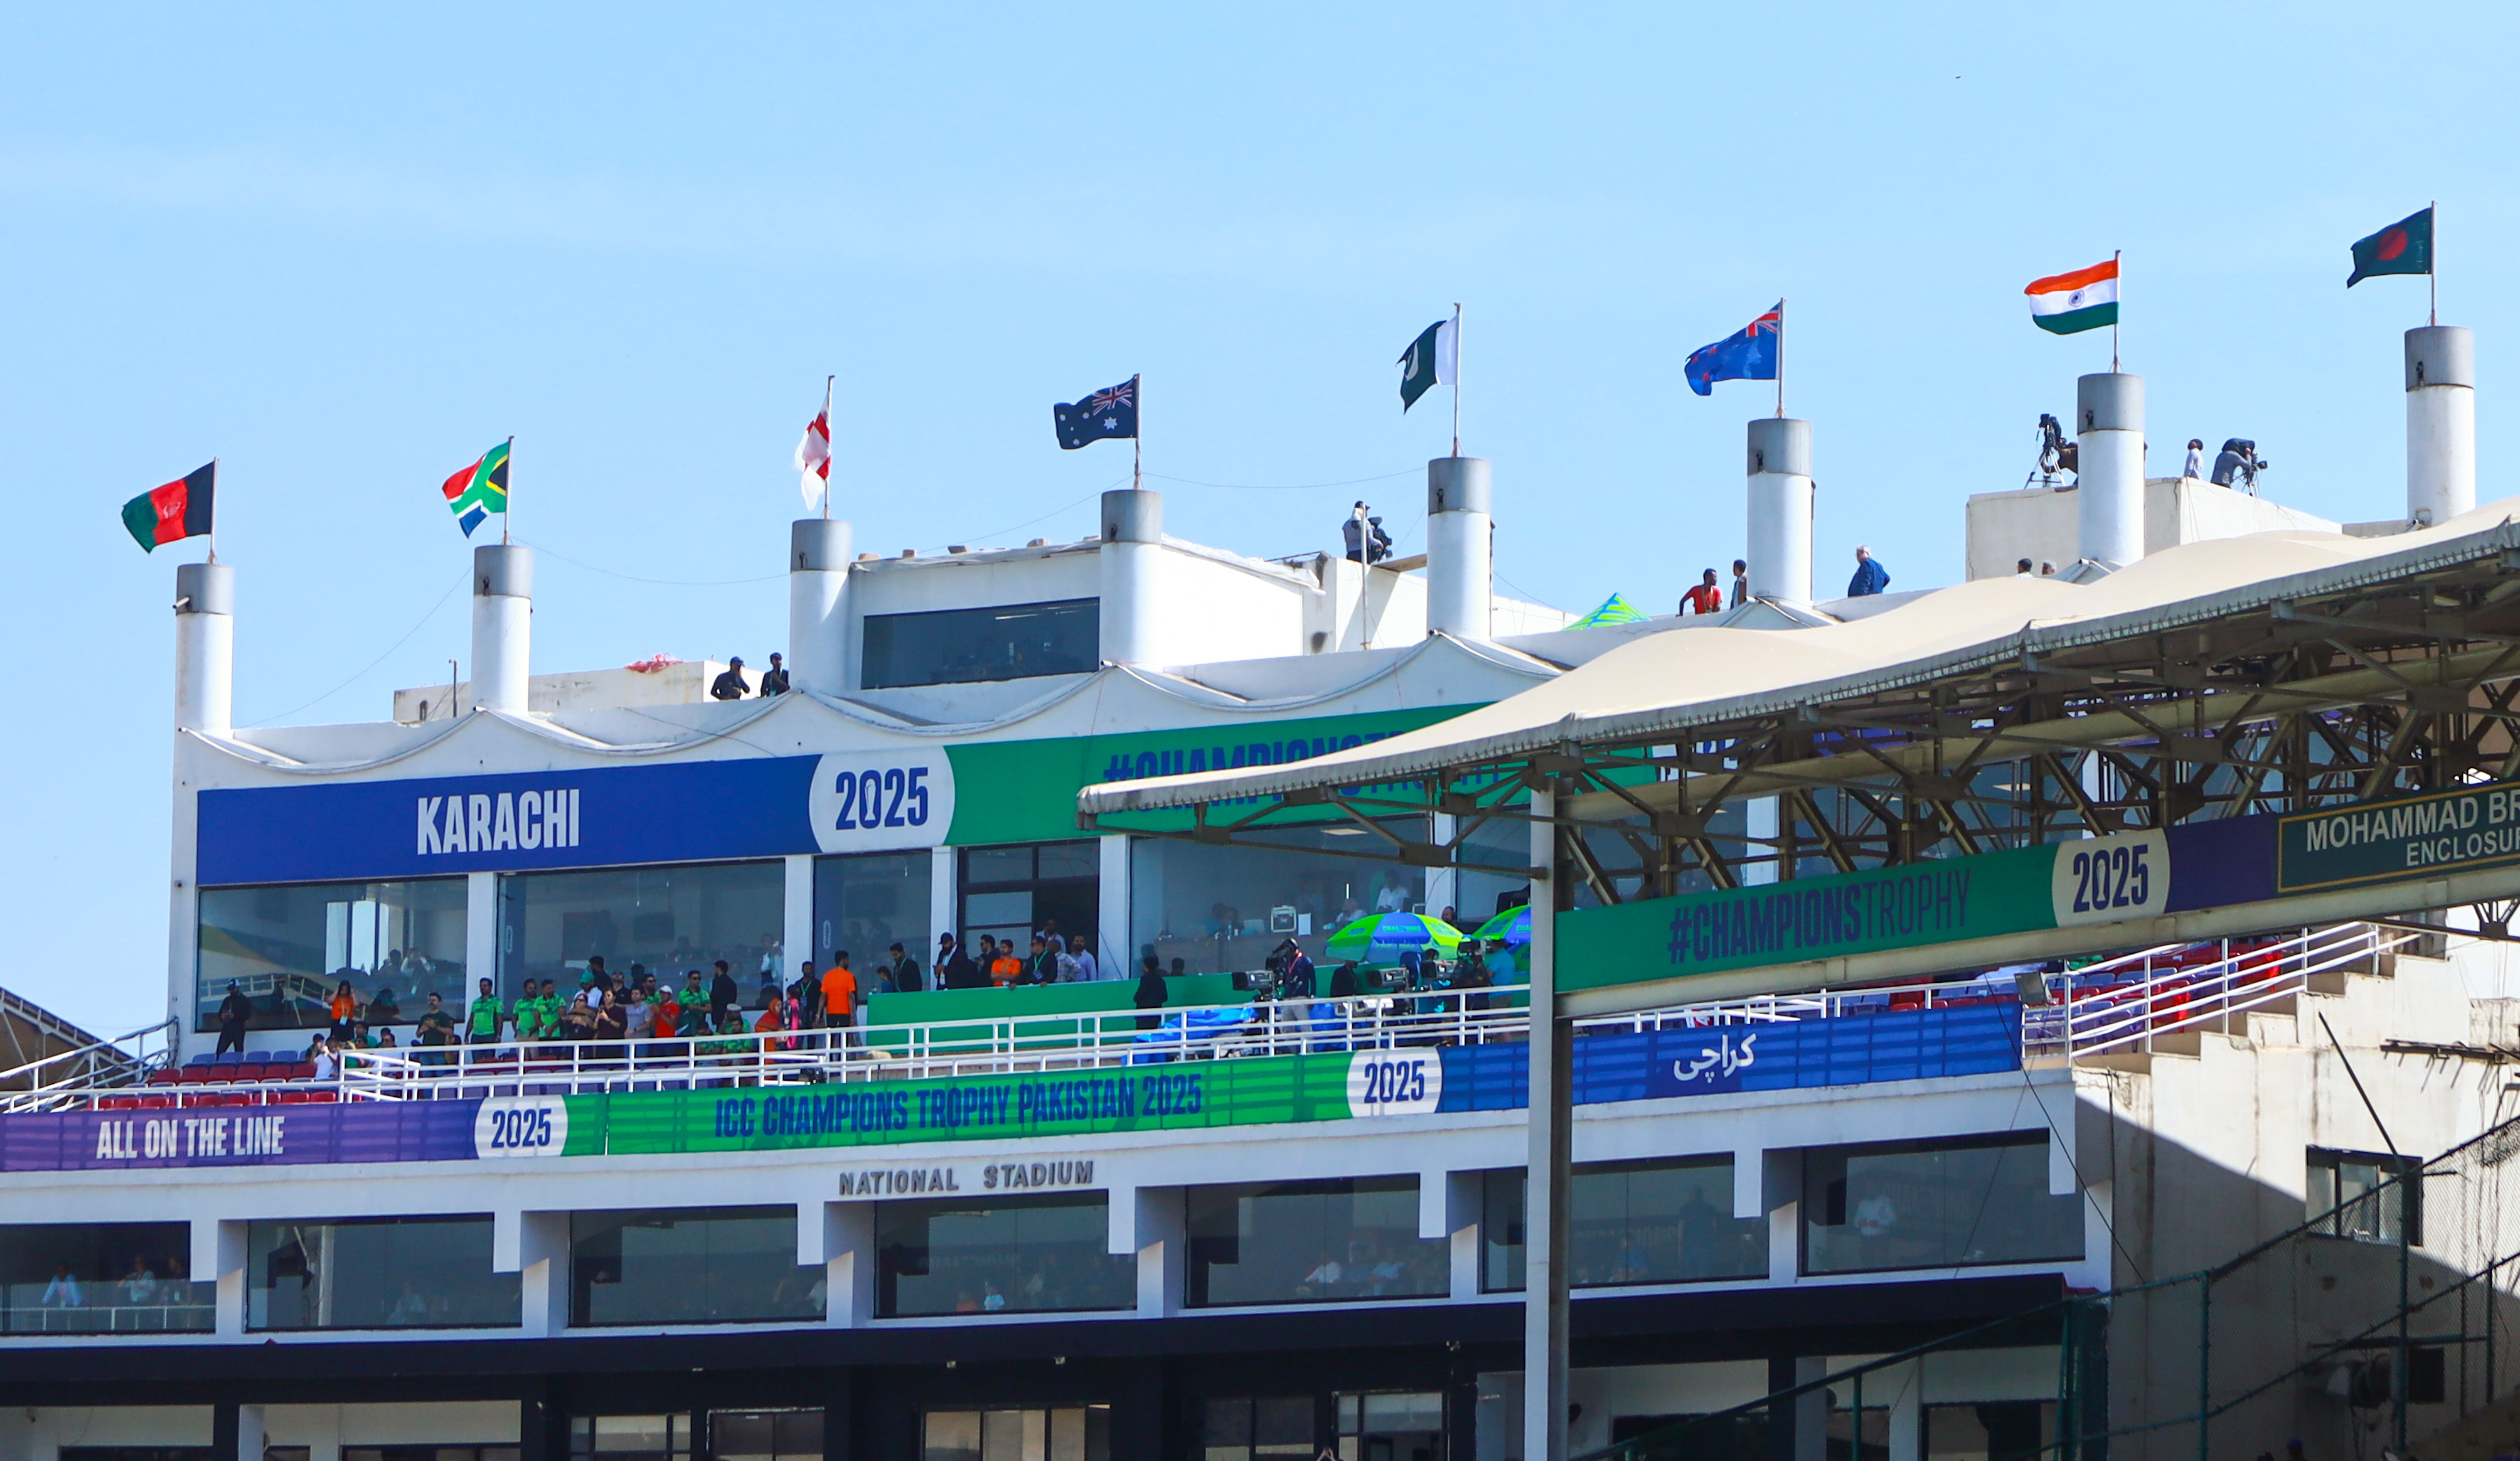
{"points": [[346, 250]]}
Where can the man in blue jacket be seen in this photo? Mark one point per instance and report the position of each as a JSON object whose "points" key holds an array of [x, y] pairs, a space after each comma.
{"points": [[1870, 576]]}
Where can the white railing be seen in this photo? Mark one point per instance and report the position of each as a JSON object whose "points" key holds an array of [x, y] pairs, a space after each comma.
{"points": [[2127, 1003], [2117, 1004], [70, 1076]]}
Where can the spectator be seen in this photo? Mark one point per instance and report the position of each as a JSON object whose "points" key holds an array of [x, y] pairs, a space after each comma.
{"points": [[729, 685], [954, 968], [327, 1064], [638, 1016], [63, 1291], [1343, 981], [1870, 576], [2196, 465], [1353, 530], [1704, 599], [345, 1008], [723, 996], [1007, 967], [236, 1012], [437, 1028], [1393, 897], [138, 1286], [485, 1016], [1377, 543], [546, 1014], [384, 1040], [901, 972], [1087, 972], [840, 993], [2046, 569], [773, 680], [1740, 583], [2021, 567], [1151, 993], [610, 1020], [1051, 935], [1041, 966]]}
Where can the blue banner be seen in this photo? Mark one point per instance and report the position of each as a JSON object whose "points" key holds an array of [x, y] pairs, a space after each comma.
{"points": [[695, 811]]}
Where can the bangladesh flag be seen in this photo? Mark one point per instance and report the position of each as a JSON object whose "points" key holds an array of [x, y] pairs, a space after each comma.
{"points": [[179, 510], [2405, 246], [481, 490]]}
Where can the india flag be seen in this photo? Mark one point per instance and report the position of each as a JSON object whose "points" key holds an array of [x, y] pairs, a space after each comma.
{"points": [[2070, 303]]}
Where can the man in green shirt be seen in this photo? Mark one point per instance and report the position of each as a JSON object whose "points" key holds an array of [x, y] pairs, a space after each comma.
{"points": [[536, 1013], [483, 1024]]}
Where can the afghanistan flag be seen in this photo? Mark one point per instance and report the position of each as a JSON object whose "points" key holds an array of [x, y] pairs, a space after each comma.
{"points": [[2405, 246], [179, 510], [481, 490]]}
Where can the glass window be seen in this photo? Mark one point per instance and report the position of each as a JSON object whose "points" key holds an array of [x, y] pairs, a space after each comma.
{"points": [[402, 1453], [289, 948], [2351, 1180], [690, 1265], [1349, 1238], [1658, 1221], [377, 1273], [101, 1278], [630, 1437], [1999, 1430], [1241, 1428], [1379, 1425], [957, 645], [1940, 1204], [1068, 1432], [865, 904], [665, 921], [1025, 1254], [1219, 909], [1009, 893], [766, 1434]]}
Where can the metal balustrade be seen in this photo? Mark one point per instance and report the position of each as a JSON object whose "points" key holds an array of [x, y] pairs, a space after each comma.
{"points": [[2121, 1004]]}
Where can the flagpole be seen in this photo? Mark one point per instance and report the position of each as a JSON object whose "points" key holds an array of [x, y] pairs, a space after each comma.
{"points": [[1456, 378], [2432, 265], [2115, 258], [827, 446], [508, 510], [1780, 359], [1138, 437], [214, 509]]}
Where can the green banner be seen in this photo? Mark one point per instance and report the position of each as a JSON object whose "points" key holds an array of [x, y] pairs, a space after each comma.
{"points": [[1167, 1097], [2008, 891], [1025, 790], [2442, 832]]}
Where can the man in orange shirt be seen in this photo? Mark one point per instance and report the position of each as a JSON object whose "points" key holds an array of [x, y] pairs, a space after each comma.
{"points": [[840, 993]]}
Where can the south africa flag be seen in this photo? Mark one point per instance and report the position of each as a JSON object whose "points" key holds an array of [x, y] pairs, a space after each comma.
{"points": [[481, 490], [179, 510]]}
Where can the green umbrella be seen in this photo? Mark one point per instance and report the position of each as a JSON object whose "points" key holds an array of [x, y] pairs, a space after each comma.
{"points": [[1381, 938], [1512, 926]]}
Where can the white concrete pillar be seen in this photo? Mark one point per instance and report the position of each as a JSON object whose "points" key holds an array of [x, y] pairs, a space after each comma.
{"points": [[503, 621], [1464, 1202], [1132, 555], [1115, 947], [224, 1240], [1459, 543], [796, 928], [2441, 423], [250, 1432], [535, 1246], [1149, 1222], [482, 936], [1780, 552], [1549, 1131], [839, 1237], [2109, 477], [818, 605], [205, 647]]}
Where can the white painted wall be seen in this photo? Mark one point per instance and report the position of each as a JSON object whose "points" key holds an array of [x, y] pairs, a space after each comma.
{"points": [[2043, 523]]}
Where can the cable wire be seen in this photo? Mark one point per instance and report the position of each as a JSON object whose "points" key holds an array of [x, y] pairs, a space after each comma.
{"points": [[379, 659]]}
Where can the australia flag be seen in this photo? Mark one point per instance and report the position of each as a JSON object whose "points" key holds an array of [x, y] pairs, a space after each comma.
{"points": [[1750, 355], [1105, 414]]}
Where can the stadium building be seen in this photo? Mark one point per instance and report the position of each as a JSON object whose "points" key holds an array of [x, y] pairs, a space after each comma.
{"points": [[1937, 1196]]}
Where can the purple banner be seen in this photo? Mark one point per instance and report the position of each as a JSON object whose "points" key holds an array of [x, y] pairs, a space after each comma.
{"points": [[240, 1136]]}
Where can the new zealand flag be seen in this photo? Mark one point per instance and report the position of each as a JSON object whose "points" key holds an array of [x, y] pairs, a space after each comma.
{"points": [[1101, 416], [1750, 355]]}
